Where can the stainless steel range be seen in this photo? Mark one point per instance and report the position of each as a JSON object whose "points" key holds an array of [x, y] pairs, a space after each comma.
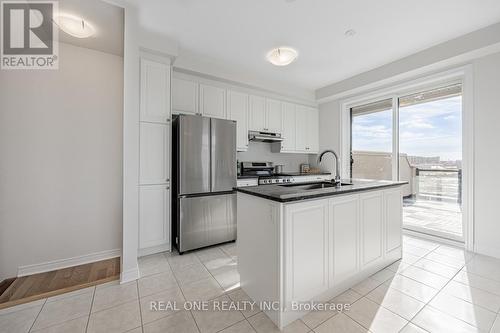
{"points": [[265, 172]]}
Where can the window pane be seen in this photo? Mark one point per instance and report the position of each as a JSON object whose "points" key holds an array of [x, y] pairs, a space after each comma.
{"points": [[430, 141], [371, 143]]}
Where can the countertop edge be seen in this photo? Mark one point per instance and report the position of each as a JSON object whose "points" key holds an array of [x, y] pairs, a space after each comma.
{"points": [[317, 195]]}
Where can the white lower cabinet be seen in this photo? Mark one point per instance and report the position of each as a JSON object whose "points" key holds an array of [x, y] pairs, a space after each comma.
{"points": [[327, 242], [393, 200], [344, 240], [154, 218], [372, 220], [315, 249], [306, 239]]}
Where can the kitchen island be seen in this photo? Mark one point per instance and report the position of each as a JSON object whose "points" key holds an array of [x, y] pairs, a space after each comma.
{"points": [[303, 243]]}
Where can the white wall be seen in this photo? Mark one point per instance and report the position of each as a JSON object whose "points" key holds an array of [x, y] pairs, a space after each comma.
{"points": [[261, 152], [61, 159], [487, 158], [486, 79], [329, 135], [129, 267]]}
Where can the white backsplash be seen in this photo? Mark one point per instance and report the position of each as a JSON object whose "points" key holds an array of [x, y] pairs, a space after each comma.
{"points": [[261, 152]]}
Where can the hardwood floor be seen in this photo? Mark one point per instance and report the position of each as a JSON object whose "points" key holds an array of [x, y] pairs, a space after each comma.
{"points": [[33, 287], [5, 284]]}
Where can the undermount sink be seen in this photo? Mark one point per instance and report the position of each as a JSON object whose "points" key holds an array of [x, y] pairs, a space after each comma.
{"points": [[316, 186]]}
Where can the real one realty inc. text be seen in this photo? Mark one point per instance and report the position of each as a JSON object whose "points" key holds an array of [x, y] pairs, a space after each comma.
{"points": [[224, 305]]}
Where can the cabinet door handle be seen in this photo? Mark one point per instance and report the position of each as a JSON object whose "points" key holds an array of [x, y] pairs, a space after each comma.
{"points": [[168, 187]]}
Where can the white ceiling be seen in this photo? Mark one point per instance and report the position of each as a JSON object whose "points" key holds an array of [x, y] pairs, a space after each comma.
{"points": [[107, 19], [236, 34]]}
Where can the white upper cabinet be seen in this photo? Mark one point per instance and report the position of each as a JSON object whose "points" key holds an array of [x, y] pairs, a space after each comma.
{"points": [[288, 132], [301, 128], [265, 115], [313, 131], [212, 101], [257, 114], [274, 118], [237, 110], [306, 129], [154, 142], [155, 91], [184, 96], [298, 124]]}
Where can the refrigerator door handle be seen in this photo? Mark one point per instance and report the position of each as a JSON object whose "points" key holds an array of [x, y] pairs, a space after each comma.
{"points": [[212, 157]]}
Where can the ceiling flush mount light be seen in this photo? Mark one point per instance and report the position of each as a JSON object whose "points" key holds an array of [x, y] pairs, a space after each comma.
{"points": [[282, 56], [75, 26]]}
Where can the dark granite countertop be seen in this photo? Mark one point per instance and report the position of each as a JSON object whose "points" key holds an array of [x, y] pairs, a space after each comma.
{"points": [[282, 193]]}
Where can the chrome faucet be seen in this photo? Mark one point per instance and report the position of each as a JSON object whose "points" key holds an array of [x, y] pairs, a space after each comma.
{"points": [[337, 164]]}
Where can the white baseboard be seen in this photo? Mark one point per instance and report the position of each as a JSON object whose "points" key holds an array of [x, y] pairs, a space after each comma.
{"points": [[154, 249], [129, 275], [488, 251], [69, 262]]}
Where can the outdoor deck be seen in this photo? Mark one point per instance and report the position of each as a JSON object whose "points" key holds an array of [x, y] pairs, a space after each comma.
{"points": [[442, 217], [436, 204]]}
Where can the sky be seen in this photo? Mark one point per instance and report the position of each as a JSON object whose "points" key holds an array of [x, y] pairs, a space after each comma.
{"points": [[427, 129]]}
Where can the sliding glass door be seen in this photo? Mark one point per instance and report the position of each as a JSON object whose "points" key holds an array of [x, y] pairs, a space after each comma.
{"points": [[430, 144], [371, 141], [425, 131]]}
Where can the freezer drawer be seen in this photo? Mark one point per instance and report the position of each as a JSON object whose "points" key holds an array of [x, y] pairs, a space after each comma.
{"points": [[206, 220]]}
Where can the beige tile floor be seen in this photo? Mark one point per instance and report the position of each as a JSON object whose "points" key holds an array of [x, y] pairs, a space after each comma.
{"points": [[434, 288]]}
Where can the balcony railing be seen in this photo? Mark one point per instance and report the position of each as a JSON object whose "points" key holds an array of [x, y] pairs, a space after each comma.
{"points": [[439, 184], [424, 182]]}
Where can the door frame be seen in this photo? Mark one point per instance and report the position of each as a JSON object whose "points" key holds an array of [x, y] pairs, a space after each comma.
{"points": [[463, 75]]}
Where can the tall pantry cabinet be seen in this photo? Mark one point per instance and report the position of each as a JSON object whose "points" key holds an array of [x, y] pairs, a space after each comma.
{"points": [[154, 154]]}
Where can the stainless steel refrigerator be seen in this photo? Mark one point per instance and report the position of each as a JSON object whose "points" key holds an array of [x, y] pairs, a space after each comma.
{"points": [[204, 167]]}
